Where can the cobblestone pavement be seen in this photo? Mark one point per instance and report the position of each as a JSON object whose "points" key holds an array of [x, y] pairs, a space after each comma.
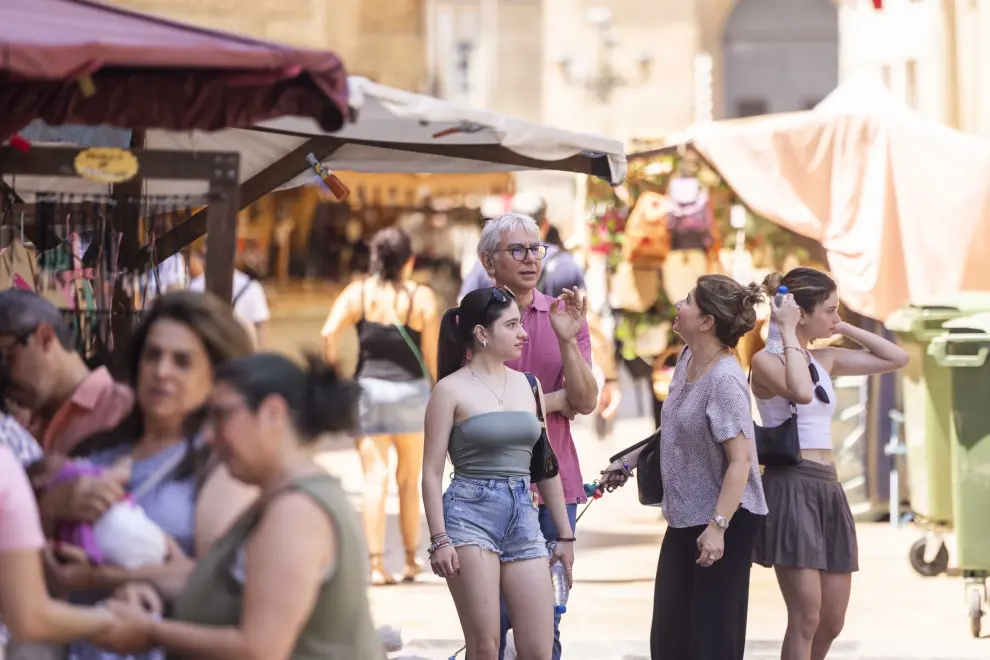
{"points": [[894, 614]]}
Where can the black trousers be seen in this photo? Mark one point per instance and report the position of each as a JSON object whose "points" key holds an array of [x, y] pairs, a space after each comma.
{"points": [[700, 613]]}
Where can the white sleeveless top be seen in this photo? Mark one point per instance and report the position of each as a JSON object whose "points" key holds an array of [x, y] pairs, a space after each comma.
{"points": [[814, 419]]}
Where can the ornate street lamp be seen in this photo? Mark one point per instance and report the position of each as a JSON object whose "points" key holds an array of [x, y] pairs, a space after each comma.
{"points": [[605, 79]]}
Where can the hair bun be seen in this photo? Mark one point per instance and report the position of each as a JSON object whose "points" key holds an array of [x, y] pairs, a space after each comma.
{"points": [[770, 284], [329, 401], [754, 295]]}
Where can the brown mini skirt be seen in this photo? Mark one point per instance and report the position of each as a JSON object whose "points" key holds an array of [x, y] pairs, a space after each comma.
{"points": [[809, 524]]}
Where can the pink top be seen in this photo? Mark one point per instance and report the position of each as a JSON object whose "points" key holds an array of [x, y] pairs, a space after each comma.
{"points": [[20, 526], [98, 404], [541, 357]]}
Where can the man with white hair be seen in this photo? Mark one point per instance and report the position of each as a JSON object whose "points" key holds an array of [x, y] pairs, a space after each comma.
{"points": [[558, 352]]}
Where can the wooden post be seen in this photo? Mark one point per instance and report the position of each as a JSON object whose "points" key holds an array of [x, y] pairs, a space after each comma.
{"points": [[126, 219], [221, 231]]}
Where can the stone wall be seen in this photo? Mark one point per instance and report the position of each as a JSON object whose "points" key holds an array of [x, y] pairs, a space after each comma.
{"points": [[381, 39]]}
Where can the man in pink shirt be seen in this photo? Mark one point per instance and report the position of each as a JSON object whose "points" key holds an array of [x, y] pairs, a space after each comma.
{"points": [[41, 371], [558, 352], [46, 375]]}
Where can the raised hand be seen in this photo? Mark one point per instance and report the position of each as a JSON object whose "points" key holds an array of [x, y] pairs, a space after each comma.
{"points": [[568, 312]]}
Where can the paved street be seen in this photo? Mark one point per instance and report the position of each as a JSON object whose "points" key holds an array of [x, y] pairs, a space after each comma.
{"points": [[894, 615]]}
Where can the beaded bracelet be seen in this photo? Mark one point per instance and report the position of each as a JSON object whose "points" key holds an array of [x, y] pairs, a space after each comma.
{"points": [[438, 544], [562, 539]]}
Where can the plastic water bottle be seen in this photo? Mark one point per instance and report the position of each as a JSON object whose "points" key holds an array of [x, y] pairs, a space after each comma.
{"points": [[779, 298], [775, 343], [558, 577]]}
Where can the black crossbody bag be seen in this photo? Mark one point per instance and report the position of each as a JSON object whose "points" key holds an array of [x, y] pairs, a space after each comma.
{"points": [[778, 446], [544, 463], [649, 480]]}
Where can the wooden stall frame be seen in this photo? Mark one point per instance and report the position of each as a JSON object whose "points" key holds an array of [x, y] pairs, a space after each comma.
{"points": [[221, 171], [290, 165]]}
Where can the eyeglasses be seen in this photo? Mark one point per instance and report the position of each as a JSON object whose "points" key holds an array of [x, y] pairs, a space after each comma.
{"points": [[19, 340], [217, 415], [519, 252], [820, 392]]}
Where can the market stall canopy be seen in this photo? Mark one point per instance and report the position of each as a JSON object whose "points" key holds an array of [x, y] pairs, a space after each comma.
{"points": [[392, 131], [398, 131], [899, 202], [85, 62]]}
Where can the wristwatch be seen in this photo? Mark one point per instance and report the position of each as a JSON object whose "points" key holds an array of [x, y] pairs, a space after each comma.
{"points": [[721, 522]]}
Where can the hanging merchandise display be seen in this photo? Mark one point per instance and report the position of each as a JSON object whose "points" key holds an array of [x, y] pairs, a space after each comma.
{"points": [[66, 249], [647, 239], [690, 220], [658, 233]]}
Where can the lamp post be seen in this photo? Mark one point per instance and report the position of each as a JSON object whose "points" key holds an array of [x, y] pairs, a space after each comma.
{"points": [[605, 78]]}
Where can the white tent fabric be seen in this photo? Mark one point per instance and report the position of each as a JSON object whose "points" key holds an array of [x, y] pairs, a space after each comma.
{"points": [[899, 202], [394, 131]]}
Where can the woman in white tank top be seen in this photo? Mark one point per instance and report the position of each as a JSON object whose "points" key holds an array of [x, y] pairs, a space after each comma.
{"points": [[809, 537]]}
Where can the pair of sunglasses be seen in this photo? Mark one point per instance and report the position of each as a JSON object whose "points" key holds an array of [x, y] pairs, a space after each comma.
{"points": [[820, 392], [501, 295]]}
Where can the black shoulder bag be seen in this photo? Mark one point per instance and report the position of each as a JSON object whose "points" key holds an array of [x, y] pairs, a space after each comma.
{"points": [[649, 480], [544, 463], [778, 446]]}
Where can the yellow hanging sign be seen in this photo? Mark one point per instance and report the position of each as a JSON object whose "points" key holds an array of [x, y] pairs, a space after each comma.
{"points": [[106, 165]]}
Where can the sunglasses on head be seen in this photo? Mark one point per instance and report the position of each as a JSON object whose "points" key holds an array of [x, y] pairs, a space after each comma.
{"points": [[501, 295], [820, 392]]}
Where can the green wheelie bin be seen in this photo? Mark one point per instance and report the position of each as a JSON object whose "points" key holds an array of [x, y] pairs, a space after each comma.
{"points": [[926, 403], [965, 352]]}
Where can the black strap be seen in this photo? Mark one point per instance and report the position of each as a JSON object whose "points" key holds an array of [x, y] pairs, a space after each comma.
{"points": [[533, 384], [364, 283], [242, 291]]}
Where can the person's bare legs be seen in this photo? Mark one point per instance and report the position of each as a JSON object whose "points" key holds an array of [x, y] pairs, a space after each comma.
{"points": [[475, 593], [373, 451], [836, 588], [802, 591], [409, 469], [529, 599]]}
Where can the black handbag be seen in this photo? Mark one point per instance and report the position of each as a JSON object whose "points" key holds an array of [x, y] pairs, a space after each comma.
{"points": [[778, 446], [544, 463], [649, 480]]}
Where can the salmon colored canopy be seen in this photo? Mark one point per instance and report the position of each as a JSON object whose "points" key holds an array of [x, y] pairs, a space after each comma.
{"points": [[901, 204], [152, 73]]}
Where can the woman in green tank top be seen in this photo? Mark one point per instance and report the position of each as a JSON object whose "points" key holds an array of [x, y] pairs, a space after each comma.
{"points": [[287, 581]]}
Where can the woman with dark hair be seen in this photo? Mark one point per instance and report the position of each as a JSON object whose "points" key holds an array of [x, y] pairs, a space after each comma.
{"points": [[712, 497], [809, 538], [484, 530], [288, 579], [174, 353], [397, 326]]}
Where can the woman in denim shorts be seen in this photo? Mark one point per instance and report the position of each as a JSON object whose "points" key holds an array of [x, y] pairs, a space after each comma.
{"points": [[485, 531]]}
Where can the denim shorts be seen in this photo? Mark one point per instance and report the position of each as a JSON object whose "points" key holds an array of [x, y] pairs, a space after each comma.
{"points": [[392, 408], [496, 515]]}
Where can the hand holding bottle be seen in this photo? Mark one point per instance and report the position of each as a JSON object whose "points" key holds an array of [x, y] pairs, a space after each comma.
{"points": [[786, 312]]}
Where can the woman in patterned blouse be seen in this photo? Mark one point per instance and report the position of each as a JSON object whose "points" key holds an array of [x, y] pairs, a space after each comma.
{"points": [[710, 479]]}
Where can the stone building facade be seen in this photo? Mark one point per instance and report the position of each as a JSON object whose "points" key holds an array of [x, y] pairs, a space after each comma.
{"points": [[381, 39], [932, 54]]}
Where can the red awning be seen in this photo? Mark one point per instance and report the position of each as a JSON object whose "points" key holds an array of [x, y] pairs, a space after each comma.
{"points": [[153, 73]]}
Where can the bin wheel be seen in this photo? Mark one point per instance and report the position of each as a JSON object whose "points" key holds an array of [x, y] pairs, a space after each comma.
{"points": [[975, 599], [928, 568]]}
